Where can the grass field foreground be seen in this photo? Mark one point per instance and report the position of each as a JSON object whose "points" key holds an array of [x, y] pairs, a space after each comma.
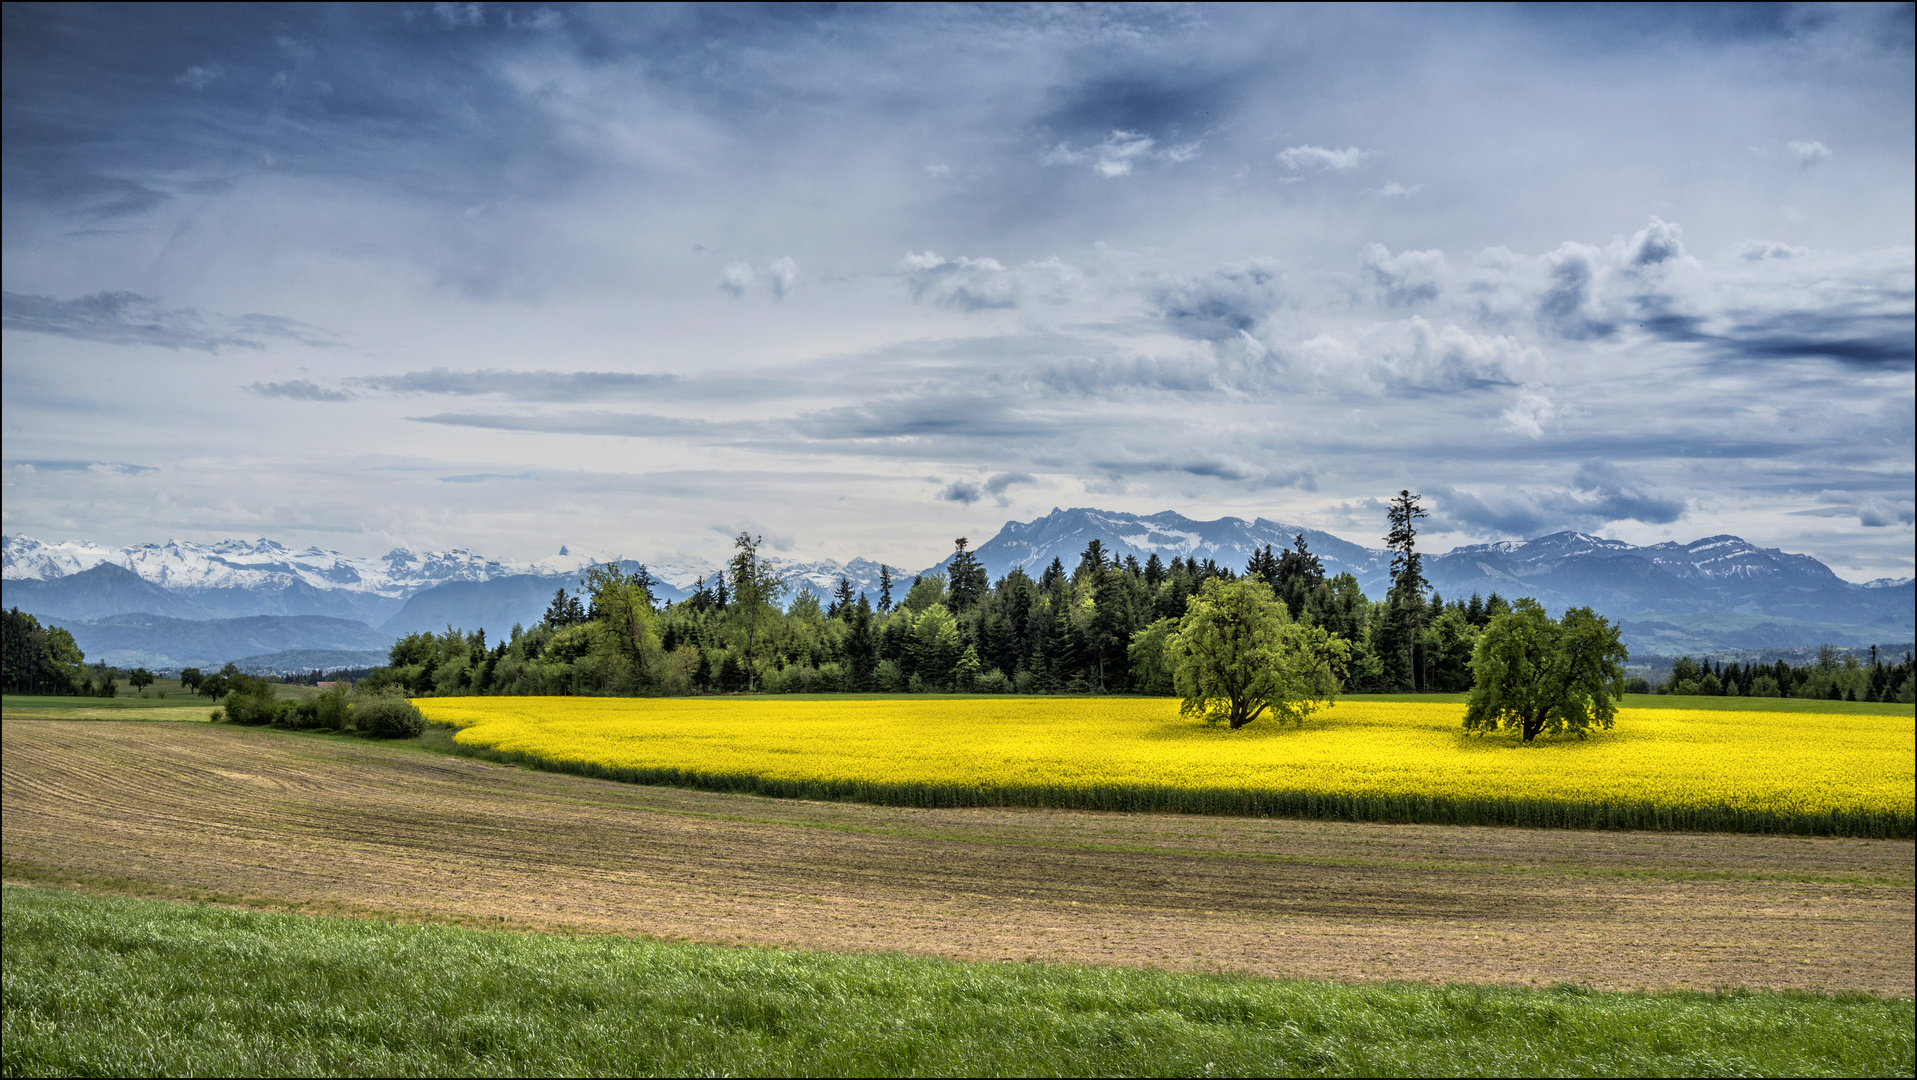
{"points": [[1743, 770], [109, 986]]}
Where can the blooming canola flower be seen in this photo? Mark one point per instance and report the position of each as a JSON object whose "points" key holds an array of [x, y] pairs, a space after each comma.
{"points": [[1731, 760]]}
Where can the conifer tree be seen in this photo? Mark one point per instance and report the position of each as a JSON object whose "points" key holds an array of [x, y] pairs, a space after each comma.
{"points": [[1154, 570], [968, 580], [1405, 609]]}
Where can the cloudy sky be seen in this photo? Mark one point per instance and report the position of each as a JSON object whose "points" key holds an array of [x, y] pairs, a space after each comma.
{"points": [[631, 279]]}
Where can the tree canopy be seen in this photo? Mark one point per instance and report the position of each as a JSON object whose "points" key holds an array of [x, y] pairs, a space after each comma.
{"points": [[1238, 654], [1542, 676]]}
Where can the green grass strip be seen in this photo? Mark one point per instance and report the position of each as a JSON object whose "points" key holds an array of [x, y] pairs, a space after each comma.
{"points": [[1421, 810], [109, 986]]}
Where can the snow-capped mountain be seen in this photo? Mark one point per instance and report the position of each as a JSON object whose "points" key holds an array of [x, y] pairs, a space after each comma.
{"points": [[1714, 594], [243, 564]]}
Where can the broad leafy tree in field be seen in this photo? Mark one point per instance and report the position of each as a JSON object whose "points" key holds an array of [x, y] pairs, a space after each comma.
{"points": [[1238, 655], [141, 678], [1542, 676]]}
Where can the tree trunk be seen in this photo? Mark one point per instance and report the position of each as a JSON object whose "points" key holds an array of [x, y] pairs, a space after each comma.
{"points": [[1532, 725]]}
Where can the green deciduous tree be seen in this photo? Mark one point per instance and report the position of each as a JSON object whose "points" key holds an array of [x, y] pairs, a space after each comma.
{"points": [[38, 659], [926, 590], [1542, 676], [1150, 659], [1238, 654], [755, 592], [623, 602], [1449, 643]]}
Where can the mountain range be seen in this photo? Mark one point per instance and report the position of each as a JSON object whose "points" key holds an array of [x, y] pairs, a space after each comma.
{"points": [[204, 604]]}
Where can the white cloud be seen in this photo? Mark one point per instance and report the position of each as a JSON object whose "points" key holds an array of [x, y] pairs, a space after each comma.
{"points": [[1533, 409], [736, 278], [1759, 250], [780, 274], [1394, 190], [1115, 156], [1808, 153], [776, 277], [963, 283], [1312, 158], [1408, 277]]}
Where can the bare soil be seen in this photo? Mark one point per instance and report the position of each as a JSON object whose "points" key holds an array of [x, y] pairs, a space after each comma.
{"points": [[335, 825]]}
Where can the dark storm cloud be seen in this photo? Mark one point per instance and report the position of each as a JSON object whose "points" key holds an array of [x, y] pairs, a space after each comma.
{"points": [[1162, 102], [1599, 494], [968, 491], [124, 318], [1865, 340]]}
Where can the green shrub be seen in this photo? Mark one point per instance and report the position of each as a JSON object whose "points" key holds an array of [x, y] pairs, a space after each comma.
{"points": [[328, 711], [257, 706], [388, 716]]}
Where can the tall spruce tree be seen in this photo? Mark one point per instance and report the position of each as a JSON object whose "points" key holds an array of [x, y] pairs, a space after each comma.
{"points": [[1154, 570], [967, 585], [1405, 609], [1298, 575], [861, 651], [1263, 566]]}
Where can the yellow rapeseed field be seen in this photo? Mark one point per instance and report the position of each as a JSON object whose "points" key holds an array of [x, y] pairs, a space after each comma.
{"points": [[1772, 765]]}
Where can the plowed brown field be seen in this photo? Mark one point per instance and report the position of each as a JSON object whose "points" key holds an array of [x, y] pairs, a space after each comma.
{"points": [[337, 825]]}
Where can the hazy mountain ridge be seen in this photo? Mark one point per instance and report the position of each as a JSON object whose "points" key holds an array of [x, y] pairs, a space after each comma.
{"points": [[1715, 574], [158, 641]]}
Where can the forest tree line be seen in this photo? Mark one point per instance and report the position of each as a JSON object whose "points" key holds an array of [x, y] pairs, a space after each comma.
{"points": [[1098, 626], [1831, 676]]}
